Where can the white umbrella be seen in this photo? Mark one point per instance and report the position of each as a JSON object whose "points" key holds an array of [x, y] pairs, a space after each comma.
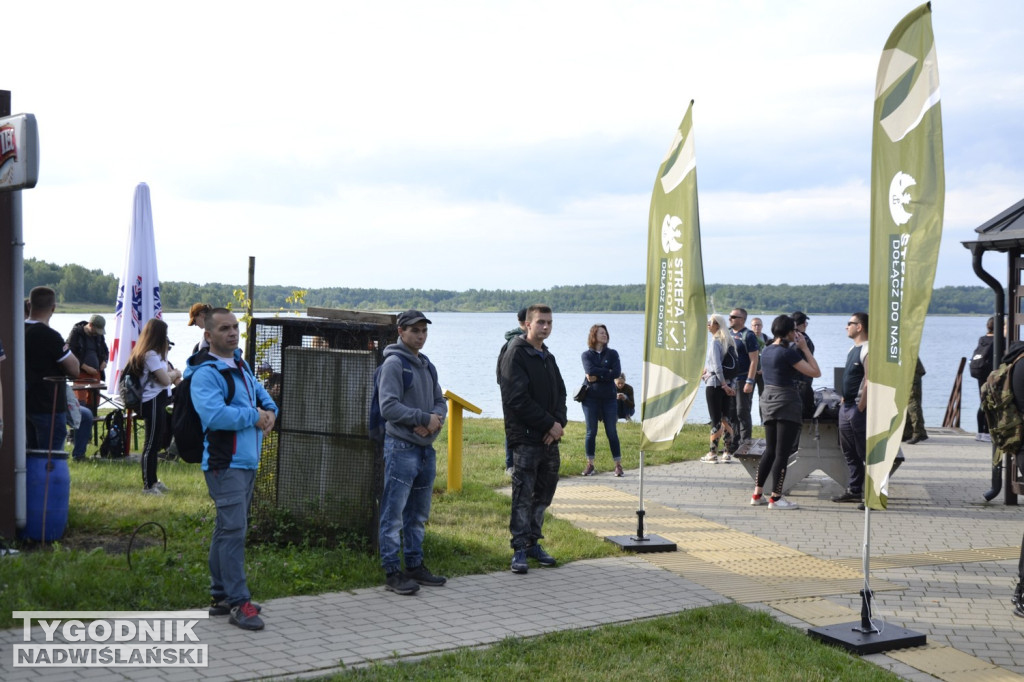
{"points": [[138, 291]]}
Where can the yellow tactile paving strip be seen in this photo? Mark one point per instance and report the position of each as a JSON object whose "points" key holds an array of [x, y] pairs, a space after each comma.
{"points": [[740, 566], [749, 569], [962, 556]]}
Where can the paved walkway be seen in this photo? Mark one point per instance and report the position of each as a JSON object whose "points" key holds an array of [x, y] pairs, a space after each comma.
{"points": [[943, 563]]}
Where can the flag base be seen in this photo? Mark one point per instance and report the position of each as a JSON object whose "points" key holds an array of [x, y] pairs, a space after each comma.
{"points": [[853, 638], [649, 543]]}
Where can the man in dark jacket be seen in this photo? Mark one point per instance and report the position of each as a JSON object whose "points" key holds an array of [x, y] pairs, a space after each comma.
{"points": [[533, 400], [88, 345]]}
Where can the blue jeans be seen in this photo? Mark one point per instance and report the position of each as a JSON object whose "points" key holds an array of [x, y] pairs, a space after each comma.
{"points": [[534, 480], [853, 439], [41, 431], [231, 492], [83, 433], [409, 471], [607, 410]]}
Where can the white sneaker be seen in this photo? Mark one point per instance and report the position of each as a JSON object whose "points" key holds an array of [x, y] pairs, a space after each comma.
{"points": [[782, 503], [151, 491], [726, 458], [710, 458], [986, 437], [758, 501], [159, 485]]}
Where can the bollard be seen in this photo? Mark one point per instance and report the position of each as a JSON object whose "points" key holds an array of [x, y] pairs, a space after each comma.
{"points": [[455, 407]]}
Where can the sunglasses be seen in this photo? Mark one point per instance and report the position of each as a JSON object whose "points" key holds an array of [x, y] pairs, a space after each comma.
{"points": [[852, 322], [735, 317]]}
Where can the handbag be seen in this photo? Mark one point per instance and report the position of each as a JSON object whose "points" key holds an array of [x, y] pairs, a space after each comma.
{"points": [[582, 393]]}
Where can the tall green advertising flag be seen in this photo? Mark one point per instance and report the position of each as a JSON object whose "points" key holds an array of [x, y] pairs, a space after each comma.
{"points": [[676, 311], [907, 195]]}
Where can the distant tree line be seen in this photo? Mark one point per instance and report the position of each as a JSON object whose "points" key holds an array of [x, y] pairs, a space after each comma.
{"points": [[76, 284]]}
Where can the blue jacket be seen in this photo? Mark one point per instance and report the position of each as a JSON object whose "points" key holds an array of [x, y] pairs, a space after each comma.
{"points": [[232, 438], [607, 368]]}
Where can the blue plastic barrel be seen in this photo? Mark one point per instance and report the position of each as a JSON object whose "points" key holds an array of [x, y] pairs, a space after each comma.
{"points": [[55, 502]]}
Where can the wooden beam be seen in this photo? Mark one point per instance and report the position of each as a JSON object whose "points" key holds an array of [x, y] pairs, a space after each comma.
{"points": [[352, 315]]}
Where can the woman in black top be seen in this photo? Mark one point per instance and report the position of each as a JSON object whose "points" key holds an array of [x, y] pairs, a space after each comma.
{"points": [[786, 361]]}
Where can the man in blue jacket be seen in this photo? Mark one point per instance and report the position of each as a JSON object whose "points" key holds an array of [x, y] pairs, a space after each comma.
{"points": [[234, 438], [414, 410]]}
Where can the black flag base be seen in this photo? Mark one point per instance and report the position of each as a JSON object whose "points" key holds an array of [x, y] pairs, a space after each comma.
{"points": [[867, 637], [642, 542]]}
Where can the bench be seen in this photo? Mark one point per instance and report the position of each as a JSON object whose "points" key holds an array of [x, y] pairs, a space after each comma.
{"points": [[819, 450]]}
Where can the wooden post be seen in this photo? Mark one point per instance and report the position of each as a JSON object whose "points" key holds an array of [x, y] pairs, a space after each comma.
{"points": [[455, 407]]}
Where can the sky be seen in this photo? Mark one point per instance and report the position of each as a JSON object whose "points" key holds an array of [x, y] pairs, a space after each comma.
{"points": [[490, 145]]}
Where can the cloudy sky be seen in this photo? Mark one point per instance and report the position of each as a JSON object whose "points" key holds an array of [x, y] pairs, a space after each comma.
{"points": [[479, 144]]}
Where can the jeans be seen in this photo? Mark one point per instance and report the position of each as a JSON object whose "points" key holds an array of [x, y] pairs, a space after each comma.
{"points": [[40, 431], [83, 433], [607, 410], [853, 439], [534, 480], [409, 471], [231, 492], [741, 425]]}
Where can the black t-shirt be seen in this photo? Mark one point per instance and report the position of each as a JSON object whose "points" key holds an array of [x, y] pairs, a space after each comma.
{"points": [[44, 349], [777, 365]]}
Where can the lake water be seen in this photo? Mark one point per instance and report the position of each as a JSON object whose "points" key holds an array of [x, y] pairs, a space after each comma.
{"points": [[464, 347]]}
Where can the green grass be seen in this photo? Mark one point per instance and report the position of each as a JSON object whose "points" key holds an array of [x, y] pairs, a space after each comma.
{"points": [[726, 642], [467, 533]]}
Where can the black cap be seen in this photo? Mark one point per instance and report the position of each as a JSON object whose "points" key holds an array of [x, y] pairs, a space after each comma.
{"points": [[799, 317], [411, 317]]}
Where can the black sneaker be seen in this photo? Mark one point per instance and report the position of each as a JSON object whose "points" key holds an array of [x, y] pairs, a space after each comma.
{"points": [[422, 575], [222, 608], [399, 584], [543, 558], [246, 617], [849, 496], [519, 564]]}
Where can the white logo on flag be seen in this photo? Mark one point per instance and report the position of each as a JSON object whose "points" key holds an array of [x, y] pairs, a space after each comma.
{"points": [[898, 198], [670, 234]]}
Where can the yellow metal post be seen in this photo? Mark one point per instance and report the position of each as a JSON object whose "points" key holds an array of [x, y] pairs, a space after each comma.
{"points": [[455, 407]]}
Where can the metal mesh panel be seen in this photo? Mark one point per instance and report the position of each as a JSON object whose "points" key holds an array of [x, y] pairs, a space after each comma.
{"points": [[319, 467]]}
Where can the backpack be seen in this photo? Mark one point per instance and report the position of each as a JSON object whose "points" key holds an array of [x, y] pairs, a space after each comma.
{"points": [[113, 441], [730, 364], [130, 389], [997, 402], [186, 426], [981, 359], [377, 422]]}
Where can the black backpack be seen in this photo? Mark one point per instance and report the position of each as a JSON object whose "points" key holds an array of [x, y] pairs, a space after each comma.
{"points": [[186, 426], [730, 364], [113, 441], [981, 359]]}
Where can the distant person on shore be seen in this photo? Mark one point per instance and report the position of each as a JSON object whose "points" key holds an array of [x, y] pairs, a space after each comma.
{"points": [[914, 431], [601, 366], [46, 355], [414, 414], [757, 326], [627, 404], [509, 335], [148, 362], [533, 402], [786, 361], [853, 435], [87, 343], [717, 390], [197, 318], [981, 366], [743, 384]]}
